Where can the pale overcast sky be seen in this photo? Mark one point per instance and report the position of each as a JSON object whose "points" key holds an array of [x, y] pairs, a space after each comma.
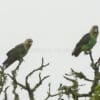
{"points": [[55, 27]]}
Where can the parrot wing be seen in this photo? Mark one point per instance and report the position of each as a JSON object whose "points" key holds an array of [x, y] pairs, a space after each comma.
{"points": [[14, 54], [9, 53], [17, 51], [84, 40]]}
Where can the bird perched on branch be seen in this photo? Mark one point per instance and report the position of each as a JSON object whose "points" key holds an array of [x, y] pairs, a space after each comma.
{"points": [[17, 53], [87, 42]]}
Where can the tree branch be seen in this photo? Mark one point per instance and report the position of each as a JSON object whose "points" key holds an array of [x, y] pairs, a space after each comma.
{"points": [[40, 82]]}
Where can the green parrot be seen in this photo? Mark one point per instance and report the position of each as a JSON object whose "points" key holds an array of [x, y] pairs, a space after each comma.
{"points": [[17, 53], [87, 42]]}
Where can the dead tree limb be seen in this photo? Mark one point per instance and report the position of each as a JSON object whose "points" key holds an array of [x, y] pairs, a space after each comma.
{"points": [[27, 86]]}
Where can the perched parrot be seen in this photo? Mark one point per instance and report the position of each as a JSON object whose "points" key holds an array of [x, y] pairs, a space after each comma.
{"points": [[17, 53], [87, 42]]}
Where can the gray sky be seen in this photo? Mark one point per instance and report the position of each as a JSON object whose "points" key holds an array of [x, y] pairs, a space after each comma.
{"points": [[55, 27]]}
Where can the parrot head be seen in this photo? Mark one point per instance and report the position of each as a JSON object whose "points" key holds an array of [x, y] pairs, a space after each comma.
{"points": [[94, 30], [28, 43]]}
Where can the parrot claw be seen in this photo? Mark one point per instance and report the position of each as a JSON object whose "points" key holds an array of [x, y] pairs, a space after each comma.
{"points": [[87, 52], [21, 60]]}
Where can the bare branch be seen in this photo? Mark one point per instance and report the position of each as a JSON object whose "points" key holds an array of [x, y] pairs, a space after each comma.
{"points": [[74, 91], [27, 86], [5, 92], [50, 95], [79, 75], [40, 82], [40, 68], [14, 79], [91, 57]]}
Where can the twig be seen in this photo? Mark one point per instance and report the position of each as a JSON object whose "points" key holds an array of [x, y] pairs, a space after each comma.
{"points": [[40, 68], [40, 82], [91, 57], [79, 75], [5, 92], [49, 95]]}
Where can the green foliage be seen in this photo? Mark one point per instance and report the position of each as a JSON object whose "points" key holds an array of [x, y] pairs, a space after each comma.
{"points": [[96, 94]]}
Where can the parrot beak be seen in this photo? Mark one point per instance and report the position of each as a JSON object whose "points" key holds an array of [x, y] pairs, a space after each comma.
{"points": [[30, 43], [96, 30]]}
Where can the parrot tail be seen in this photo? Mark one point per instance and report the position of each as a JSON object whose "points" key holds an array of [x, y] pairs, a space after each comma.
{"points": [[8, 62], [76, 52]]}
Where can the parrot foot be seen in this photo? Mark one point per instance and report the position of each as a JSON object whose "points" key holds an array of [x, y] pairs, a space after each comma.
{"points": [[2, 68], [87, 52], [92, 65], [21, 60]]}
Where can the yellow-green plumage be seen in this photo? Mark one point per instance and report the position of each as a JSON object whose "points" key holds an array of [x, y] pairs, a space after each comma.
{"points": [[87, 42]]}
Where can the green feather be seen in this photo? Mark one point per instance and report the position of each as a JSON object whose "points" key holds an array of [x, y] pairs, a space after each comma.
{"points": [[90, 44]]}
